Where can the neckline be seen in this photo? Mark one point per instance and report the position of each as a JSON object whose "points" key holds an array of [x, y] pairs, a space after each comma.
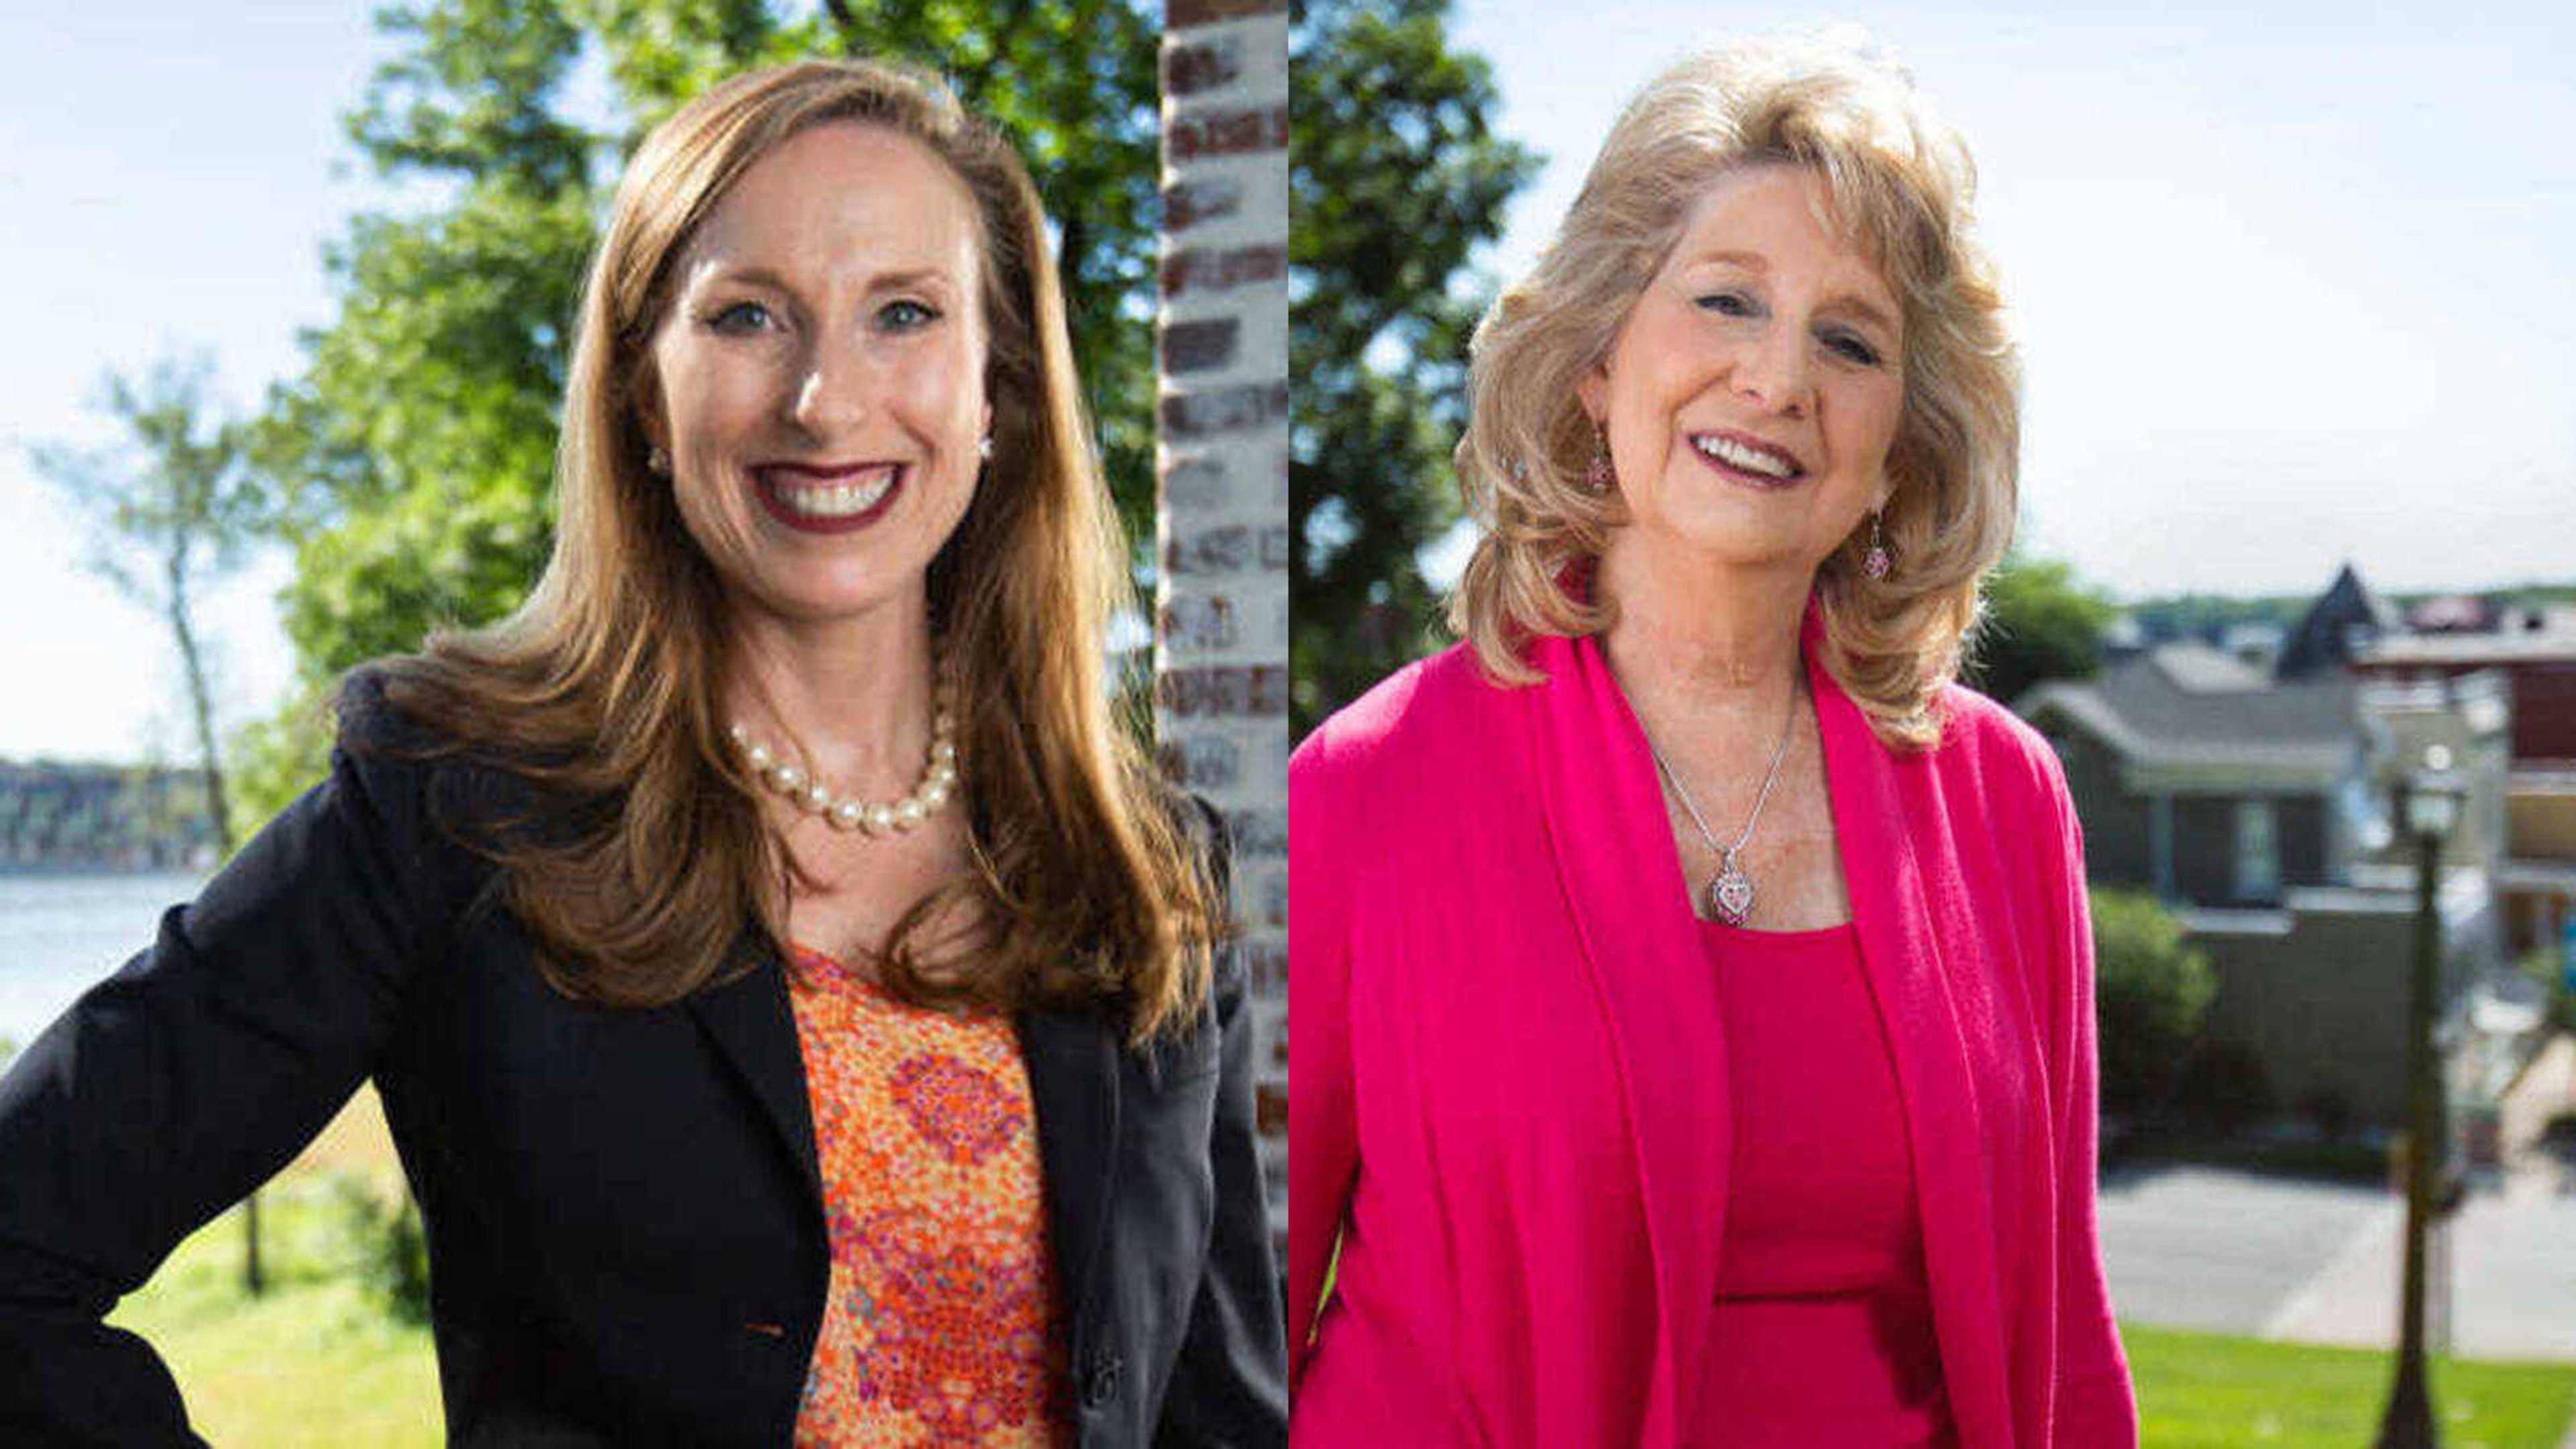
{"points": [[1809, 936], [824, 963]]}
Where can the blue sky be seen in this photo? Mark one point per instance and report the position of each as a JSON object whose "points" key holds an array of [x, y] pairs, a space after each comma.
{"points": [[2292, 281], [2291, 289], [166, 183]]}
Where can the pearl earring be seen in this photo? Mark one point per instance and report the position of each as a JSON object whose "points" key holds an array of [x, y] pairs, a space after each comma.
{"points": [[657, 460]]}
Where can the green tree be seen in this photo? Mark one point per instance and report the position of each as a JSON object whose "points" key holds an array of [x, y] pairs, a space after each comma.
{"points": [[2041, 623], [1396, 177], [171, 509], [2151, 991], [415, 452]]}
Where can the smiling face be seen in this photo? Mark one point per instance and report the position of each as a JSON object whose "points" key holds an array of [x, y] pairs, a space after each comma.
{"points": [[818, 380], [1753, 392]]}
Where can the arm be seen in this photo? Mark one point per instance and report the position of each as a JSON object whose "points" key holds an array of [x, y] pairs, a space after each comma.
{"points": [[178, 1085], [1227, 1387], [2094, 1404], [1323, 1150]]}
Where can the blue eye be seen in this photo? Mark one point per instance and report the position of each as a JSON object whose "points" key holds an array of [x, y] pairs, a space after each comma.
{"points": [[739, 318], [905, 315], [1851, 348], [1727, 304]]}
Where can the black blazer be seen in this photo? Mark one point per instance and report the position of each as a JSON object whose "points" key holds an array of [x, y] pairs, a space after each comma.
{"points": [[624, 1214]]}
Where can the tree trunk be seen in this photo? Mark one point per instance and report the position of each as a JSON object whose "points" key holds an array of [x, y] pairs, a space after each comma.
{"points": [[201, 705]]}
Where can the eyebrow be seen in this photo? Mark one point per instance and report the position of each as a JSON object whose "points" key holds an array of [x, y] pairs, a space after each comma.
{"points": [[1851, 302], [883, 281]]}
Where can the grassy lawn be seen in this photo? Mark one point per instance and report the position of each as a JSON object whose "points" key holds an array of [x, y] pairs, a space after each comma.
{"points": [[2199, 1389], [316, 1360]]}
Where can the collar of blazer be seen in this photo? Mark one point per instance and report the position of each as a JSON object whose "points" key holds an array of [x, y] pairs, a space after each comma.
{"points": [[1606, 829], [1072, 1061]]}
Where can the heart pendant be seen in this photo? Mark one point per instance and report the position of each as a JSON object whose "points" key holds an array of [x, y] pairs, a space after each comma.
{"points": [[1731, 896]]}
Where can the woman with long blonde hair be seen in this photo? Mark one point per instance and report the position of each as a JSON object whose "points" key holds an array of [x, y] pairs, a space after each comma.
{"points": [[789, 987]]}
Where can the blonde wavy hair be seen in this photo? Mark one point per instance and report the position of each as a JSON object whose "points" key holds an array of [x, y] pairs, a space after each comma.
{"points": [[604, 689], [1900, 185]]}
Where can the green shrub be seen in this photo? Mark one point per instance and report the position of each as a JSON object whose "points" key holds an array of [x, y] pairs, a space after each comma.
{"points": [[384, 1248], [2224, 1087], [2151, 992], [2541, 965]]}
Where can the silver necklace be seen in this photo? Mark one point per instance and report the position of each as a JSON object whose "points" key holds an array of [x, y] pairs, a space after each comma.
{"points": [[1730, 891]]}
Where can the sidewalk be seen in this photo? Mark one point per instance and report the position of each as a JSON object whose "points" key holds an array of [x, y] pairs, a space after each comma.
{"points": [[2512, 1249], [2546, 1088]]}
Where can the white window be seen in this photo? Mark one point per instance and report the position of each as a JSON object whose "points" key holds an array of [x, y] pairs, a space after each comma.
{"points": [[2258, 851]]}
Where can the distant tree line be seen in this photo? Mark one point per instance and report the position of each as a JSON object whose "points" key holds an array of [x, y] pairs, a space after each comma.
{"points": [[72, 817]]}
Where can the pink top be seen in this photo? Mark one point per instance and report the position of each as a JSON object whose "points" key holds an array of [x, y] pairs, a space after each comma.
{"points": [[1823, 1330], [1510, 1065]]}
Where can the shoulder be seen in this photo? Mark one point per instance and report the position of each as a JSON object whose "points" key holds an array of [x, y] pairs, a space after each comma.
{"points": [[425, 777], [371, 725], [2010, 762], [1408, 721]]}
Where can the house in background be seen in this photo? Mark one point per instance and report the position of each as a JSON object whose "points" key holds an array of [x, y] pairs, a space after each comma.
{"points": [[2247, 786], [2533, 651]]}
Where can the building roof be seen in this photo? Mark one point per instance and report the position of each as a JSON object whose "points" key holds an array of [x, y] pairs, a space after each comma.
{"points": [[2205, 717], [2522, 637], [2345, 616]]}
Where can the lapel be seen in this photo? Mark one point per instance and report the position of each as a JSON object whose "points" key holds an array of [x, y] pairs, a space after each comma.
{"points": [[1621, 875], [1073, 1084], [754, 1030], [1909, 974], [1073, 1088], [1073, 1060]]}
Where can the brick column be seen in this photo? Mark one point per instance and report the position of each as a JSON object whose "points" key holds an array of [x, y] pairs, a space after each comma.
{"points": [[1221, 596]]}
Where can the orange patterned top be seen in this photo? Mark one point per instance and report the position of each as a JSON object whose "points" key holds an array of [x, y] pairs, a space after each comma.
{"points": [[941, 1325]]}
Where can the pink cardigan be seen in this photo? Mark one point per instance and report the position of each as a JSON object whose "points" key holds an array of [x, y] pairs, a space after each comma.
{"points": [[1505, 1035]]}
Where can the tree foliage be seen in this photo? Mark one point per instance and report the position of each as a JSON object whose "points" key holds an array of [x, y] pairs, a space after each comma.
{"points": [[1396, 178], [2041, 623], [414, 455], [2151, 991], [171, 508]]}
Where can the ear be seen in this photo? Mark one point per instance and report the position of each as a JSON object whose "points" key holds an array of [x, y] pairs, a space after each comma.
{"points": [[645, 397], [1593, 391]]}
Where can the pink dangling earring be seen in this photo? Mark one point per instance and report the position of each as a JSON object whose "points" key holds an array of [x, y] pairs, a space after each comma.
{"points": [[1876, 563], [1600, 477]]}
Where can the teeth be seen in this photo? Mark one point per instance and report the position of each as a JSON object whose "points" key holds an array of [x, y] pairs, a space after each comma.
{"points": [[1736, 455], [836, 500]]}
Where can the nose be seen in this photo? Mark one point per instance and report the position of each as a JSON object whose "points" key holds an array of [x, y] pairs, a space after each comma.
{"points": [[831, 392], [1774, 371]]}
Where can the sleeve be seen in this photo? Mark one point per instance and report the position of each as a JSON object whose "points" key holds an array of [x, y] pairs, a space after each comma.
{"points": [[1228, 1386], [1323, 1152], [170, 1090], [2094, 1403]]}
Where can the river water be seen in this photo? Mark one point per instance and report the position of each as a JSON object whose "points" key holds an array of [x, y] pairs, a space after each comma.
{"points": [[61, 933]]}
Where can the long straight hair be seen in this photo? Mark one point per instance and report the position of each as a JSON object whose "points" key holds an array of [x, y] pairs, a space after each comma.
{"points": [[604, 689]]}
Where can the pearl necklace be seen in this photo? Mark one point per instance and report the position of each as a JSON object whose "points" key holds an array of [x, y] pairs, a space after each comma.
{"points": [[848, 812]]}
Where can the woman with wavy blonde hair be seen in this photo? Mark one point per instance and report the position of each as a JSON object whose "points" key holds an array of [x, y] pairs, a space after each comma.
{"points": [[789, 987], [1781, 930]]}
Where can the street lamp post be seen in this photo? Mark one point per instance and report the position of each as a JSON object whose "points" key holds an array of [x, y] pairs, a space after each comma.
{"points": [[2428, 806]]}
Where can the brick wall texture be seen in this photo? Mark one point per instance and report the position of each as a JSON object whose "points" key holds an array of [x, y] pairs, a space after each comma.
{"points": [[1221, 540]]}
